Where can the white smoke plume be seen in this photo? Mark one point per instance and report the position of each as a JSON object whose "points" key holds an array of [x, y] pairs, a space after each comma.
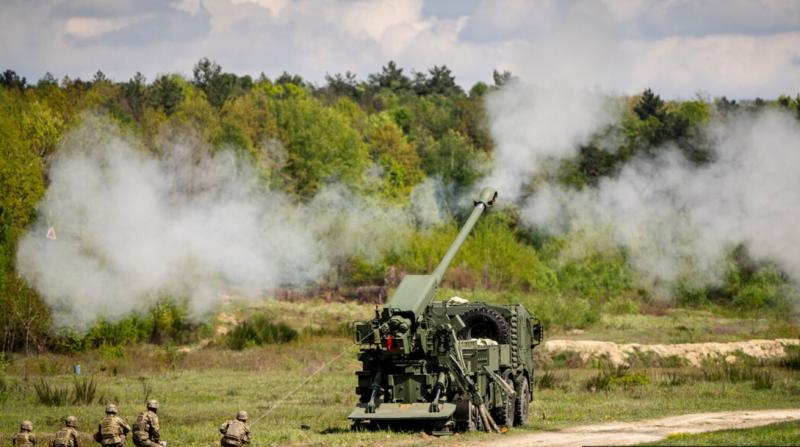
{"points": [[533, 126], [131, 227], [673, 217]]}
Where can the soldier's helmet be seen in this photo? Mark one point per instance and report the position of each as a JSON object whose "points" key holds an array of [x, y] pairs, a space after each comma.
{"points": [[71, 421], [152, 404], [111, 409], [26, 426], [242, 416]]}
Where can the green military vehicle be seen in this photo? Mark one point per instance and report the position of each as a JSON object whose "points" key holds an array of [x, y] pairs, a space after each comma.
{"points": [[445, 366]]}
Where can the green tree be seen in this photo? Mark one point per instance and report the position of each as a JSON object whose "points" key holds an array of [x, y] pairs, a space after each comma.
{"points": [[321, 145], [391, 78], [454, 159], [399, 160], [21, 187], [166, 93]]}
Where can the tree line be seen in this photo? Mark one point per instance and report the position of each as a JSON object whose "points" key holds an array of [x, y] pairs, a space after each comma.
{"points": [[413, 125]]}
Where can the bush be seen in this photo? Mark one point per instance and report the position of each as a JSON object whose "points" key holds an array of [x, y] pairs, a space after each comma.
{"points": [[51, 395], [5, 389], [675, 379], [85, 391], [732, 373], [615, 376], [792, 358], [549, 380], [763, 380], [259, 330]]}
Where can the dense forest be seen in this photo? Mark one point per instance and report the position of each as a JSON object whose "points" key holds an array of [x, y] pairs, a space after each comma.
{"points": [[412, 125]]}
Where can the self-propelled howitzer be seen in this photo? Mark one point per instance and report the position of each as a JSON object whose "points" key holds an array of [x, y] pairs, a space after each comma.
{"points": [[445, 366]]}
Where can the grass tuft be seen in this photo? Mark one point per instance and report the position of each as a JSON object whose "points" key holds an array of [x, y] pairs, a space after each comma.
{"points": [[51, 395], [85, 391], [259, 330]]}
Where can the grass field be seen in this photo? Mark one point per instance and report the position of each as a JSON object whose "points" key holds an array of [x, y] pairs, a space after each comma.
{"points": [[200, 387], [786, 433]]}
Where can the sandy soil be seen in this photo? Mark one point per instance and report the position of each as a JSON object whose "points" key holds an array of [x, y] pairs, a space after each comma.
{"points": [[693, 353], [629, 433]]}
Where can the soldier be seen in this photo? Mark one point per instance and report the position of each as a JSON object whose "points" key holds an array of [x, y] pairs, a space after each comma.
{"points": [[67, 436], [25, 437], [146, 431], [112, 429], [235, 433]]}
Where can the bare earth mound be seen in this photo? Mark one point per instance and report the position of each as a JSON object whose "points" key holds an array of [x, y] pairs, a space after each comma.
{"points": [[628, 433], [692, 353]]}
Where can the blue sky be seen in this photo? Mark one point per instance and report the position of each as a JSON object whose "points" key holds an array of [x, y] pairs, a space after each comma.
{"points": [[678, 47]]}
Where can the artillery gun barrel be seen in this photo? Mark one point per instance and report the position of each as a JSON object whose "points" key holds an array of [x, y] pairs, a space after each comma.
{"points": [[415, 292], [485, 199]]}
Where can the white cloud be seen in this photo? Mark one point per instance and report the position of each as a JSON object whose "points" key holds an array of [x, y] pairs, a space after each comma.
{"points": [[677, 47]]}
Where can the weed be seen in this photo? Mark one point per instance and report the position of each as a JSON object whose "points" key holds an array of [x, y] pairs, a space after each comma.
{"points": [[599, 382], [675, 379], [5, 389], [51, 395], [112, 352], [259, 330], [732, 373], [566, 359], [548, 380], [85, 391], [616, 376], [763, 380], [147, 389], [792, 358]]}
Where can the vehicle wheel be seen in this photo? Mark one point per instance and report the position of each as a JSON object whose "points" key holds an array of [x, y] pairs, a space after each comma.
{"points": [[504, 414], [523, 404], [484, 323]]}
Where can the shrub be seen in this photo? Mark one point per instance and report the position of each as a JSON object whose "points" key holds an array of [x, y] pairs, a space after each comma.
{"points": [[51, 395], [616, 376], [763, 380], [599, 382], [547, 381], [675, 379], [259, 330], [85, 391], [5, 389], [732, 373], [792, 358]]}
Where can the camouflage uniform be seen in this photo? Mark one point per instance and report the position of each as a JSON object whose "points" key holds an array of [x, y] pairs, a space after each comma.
{"points": [[25, 437], [235, 433], [112, 429], [146, 431], [68, 436]]}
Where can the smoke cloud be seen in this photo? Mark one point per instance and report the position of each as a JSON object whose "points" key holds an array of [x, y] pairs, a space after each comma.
{"points": [[672, 217], [534, 126], [131, 227]]}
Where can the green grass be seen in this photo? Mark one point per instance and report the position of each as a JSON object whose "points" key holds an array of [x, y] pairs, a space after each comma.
{"points": [[785, 433], [202, 385], [277, 384]]}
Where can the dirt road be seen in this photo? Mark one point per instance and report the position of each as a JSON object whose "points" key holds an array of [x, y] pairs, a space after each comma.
{"points": [[629, 433]]}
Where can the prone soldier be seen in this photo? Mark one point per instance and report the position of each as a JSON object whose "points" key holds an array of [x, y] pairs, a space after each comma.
{"points": [[68, 435], [146, 431], [235, 433], [25, 437], [112, 429]]}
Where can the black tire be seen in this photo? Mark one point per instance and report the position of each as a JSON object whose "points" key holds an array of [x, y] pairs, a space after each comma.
{"points": [[504, 414], [483, 322], [523, 404]]}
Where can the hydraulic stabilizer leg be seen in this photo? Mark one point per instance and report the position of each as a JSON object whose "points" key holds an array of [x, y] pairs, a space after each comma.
{"points": [[375, 386], [440, 385]]}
